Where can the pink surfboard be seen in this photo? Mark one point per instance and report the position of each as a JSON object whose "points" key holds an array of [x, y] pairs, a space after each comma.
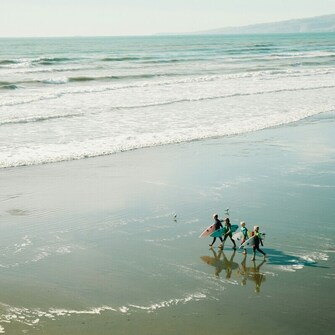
{"points": [[209, 230]]}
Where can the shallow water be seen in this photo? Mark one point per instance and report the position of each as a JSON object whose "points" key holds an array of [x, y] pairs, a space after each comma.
{"points": [[93, 247]]}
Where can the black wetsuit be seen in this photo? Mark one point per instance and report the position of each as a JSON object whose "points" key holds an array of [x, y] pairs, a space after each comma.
{"points": [[257, 241], [230, 234], [218, 225]]}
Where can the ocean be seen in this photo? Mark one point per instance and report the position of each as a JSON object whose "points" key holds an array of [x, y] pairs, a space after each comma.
{"points": [[110, 244], [71, 98]]}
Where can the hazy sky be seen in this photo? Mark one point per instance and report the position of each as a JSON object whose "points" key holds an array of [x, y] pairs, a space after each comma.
{"points": [[137, 17]]}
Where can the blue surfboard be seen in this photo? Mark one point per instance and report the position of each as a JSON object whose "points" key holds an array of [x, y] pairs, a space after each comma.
{"points": [[223, 230]]}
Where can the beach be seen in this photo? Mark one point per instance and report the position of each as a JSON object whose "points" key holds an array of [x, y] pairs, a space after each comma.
{"points": [[111, 244], [115, 152]]}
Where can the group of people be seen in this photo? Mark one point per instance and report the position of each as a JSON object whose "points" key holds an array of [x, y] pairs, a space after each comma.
{"points": [[228, 233]]}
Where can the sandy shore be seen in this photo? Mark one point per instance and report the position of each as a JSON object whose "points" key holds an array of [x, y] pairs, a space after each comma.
{"points": [[92, 246]]}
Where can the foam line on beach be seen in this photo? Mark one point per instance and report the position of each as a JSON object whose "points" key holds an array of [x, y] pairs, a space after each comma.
{"points": [[106, 146], [34, 316], [171, 302]]}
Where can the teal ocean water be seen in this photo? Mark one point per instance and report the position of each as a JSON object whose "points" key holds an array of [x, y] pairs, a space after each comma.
{"points": [[71, 98]]}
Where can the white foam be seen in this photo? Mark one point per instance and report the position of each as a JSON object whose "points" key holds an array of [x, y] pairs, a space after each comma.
{"points": [[313, 257], [171, 302], [19, 247], [179, 110], [31, 317], [25, 253], [64, 250], [52, 312], [56, 81], [291, 268], [123, 309]]}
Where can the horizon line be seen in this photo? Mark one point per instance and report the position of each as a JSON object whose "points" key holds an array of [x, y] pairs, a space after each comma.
{"points": [[169, 34]]}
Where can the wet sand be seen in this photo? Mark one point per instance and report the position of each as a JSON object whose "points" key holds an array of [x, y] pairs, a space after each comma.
{"points": [[93, 247]]}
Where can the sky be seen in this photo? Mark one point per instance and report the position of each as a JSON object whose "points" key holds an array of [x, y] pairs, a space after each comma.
{"points": [[145, 17]]}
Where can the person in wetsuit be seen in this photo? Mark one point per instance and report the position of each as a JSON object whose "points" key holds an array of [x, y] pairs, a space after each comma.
{"points": [[218, 225], [257, 241], [228, 232], [244, 231]]}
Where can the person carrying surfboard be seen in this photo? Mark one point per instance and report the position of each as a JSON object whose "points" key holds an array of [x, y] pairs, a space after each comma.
{"points": [[244, 231], [228, 233], [257, 241], [218, 225]]}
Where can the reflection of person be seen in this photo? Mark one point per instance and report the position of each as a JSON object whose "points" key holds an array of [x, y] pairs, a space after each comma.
{"points": [[218, 225], [257, 276], [228, 264], [251, 273], [228, 232], [243, 270], [217, 263], [257, 241], [244, 231]]}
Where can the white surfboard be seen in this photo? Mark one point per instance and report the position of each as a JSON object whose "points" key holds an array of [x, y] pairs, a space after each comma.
{"points": [[250, 241], [238, 236]]}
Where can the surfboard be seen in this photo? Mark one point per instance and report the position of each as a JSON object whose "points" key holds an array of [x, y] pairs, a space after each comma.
{"points": [[250, 241], [209, 230], [238, 236], [221, 231]]}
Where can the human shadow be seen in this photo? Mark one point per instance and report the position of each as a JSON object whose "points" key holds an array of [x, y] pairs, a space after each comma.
{"points": [[280, 258]]}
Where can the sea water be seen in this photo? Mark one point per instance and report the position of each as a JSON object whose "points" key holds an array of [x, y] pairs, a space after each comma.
{"points": [[71, 98], [94, 246]]}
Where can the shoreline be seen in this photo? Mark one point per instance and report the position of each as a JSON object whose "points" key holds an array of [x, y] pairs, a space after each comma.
{"points": [[97, 232], [183, 142]]}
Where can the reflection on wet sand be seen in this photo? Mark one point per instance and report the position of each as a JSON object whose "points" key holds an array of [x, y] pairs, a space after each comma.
{"points": [[251, 273], [221, 262]]}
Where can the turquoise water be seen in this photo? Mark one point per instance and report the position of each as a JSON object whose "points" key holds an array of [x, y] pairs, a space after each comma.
{"points": [[73, 98]]}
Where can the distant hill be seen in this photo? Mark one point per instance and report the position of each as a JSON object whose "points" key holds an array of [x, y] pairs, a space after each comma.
{"points": [[318, 24]]}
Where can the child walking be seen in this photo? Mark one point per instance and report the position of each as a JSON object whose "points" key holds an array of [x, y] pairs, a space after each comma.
{"points": [[257, 241], [228, 233], [245, 236], [218, 225]]}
